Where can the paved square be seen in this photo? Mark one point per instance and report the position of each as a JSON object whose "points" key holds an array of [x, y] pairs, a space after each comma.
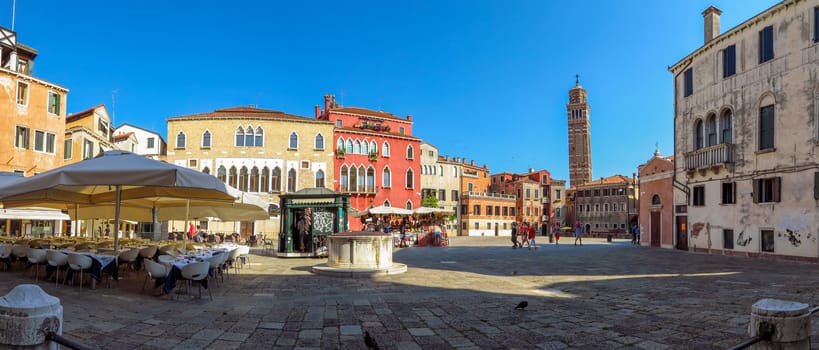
{"points": [[595, 296]]}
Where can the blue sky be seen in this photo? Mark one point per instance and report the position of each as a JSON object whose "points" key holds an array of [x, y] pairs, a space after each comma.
{"points": [[485, 80]]}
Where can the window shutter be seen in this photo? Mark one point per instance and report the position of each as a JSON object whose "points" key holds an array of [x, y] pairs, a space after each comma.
{"points": [[57, 112], [733, 192], [756, 190], [776, 183]]}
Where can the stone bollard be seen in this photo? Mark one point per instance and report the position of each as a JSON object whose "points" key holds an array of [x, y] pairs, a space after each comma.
{"points": [[790, 321], [27, 316]]}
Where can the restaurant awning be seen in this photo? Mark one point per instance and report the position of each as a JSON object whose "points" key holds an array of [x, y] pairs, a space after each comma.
{"points": [[32, 214]]}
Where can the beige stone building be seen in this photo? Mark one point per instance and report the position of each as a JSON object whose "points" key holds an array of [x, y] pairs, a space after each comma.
{"points": [[441, 177], [746, 138], [256, 150], [558, 200], [527, 194], [87, 134], [607, 205]]}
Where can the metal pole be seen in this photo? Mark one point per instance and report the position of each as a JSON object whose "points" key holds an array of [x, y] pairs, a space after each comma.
{"points": [[117, 200]]}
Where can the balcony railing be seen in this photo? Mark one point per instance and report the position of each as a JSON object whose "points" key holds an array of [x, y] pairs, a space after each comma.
{"points": [[488, 195], [710, 156]]}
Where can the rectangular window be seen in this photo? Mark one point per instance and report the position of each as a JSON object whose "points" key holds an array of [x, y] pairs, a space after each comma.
{"points": [[51, 139], [528, 193], [87, 149], [816, 185], [463, 208], [339, 123], [53, 103], [688, 82], [557, 212], [22, 93], [103, 127], [528, 211], [497, 210], [766, 49], [476, 209], [305, 164], [766, 128], [192, 163], [816, 24], [151, 141], [454, 195], [489, 210], [39, 140], [729, 61], [401, 130], [21, 137], [476, 226], [699, 195], [729, 195], [511, 211], [767, 240], [767, 190], [505, 211], [597, 193], [442, 195], [727, 239], [557, 194], [68, 149]]}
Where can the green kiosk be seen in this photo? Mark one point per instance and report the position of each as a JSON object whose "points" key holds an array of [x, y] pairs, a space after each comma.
{"points": [[308, 217]]}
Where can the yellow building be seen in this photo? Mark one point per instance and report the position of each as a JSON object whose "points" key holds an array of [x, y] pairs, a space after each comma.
{"points": [[256, 150], [87, 134]]}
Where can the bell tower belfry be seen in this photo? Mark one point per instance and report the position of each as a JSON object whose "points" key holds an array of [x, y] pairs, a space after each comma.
{"points": [[577, 110]]}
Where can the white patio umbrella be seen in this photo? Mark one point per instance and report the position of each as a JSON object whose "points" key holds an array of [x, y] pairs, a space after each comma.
{"points": [[428, 210], [114, 177], [383, 210]]}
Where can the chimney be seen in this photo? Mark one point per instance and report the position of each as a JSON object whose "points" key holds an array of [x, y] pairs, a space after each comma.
{"points": [[409, 117], [711, 16], [472, 162], [318, 111], [327, 102], [531, 170]]}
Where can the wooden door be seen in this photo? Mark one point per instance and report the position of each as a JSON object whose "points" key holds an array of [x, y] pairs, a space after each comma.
{"points": [[246, 229], [682, 233], [655, 228]]}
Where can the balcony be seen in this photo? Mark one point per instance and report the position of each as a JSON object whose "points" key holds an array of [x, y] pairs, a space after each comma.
{"points": [[712, 157]]}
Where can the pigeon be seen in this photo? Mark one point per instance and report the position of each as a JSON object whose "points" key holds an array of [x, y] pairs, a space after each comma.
{"points": [[514, 273], [522, 305], [370, 342]]}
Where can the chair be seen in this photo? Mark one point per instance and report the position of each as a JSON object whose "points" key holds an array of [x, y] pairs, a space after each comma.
{"points": [[57, 260], [216, 263], [19, 252], [243, 255], [196, 272], [167, 259], [231, 262], [148, 253], [5, 254], [128, 257], [78, 262], [155, 271], [36, 257]]}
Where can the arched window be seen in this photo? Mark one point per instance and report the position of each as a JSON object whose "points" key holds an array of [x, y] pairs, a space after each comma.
{"points": [[373, 147], [357, 147], [254, 180], [340, 144], [221, 174], [291, 180], [243, 179], [410, 152], [588, 208], [387, 203], [726, 125], [206, 139], [698, 134], [353, 179], [385, 178], [655, 200], [320, 178], [319, 143], [259, 137], [441, 168], [409, 205], [712, 130], [349, 146], [410, 179], [385, 149], [240, 137], [249, 137], [232, 176], [344, 181], [265, 180], [276, 180], [206, 170], [365, 147], [180, 140], [606, 207], [294, 141], [371, 180], [362, 173]]}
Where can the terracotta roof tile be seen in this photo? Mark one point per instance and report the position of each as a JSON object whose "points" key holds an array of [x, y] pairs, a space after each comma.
{"points": [[368, 112], [614, 179], [118, 137], [82, 114], [246, 112]]}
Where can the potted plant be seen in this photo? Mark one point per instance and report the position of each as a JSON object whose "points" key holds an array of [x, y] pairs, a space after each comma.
{"points": [[387, 128], [373, 155], [340, 153]]}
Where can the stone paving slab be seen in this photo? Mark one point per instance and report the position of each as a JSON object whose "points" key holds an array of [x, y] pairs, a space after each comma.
{"points": [[598, 296]]}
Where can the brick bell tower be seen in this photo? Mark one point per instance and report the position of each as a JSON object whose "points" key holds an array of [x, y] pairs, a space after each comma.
{"points": [[577, 110]]}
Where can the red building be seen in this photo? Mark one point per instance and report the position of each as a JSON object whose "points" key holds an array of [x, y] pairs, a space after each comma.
{"points": [[377, 158]]}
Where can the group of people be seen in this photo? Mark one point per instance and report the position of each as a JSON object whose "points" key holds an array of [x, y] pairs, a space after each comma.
{"points": [[526, 232]]}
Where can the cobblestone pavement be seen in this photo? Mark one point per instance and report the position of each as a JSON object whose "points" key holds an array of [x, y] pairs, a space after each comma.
{"points": [[595, 296]]}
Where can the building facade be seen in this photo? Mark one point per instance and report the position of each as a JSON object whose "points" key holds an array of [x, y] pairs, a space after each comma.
{"points": [[441, 178], [746, 140], [484, 213], [559, 209], [527, 194], [657, 205], [87, 134], [31, 128], [577, 111], [148, 143], [255, 150], [606, 205], [377, 159]]}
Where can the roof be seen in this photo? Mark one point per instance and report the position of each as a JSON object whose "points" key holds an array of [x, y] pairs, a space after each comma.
{"points": [[614, 179], [119, 137], [247, 112], [368, 112], [82, 114], [140, 128], [28, 49]]}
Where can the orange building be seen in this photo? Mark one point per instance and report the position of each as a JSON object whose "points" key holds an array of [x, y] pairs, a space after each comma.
{"points": [[656, 210], [87, 134], [483, 213], [527, 192]]}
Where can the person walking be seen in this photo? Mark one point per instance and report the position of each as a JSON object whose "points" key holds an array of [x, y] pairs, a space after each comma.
{"points": [[557, 235], [532, 235], [578, 232], [633, 234], [524, 234], [514, 235]]}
